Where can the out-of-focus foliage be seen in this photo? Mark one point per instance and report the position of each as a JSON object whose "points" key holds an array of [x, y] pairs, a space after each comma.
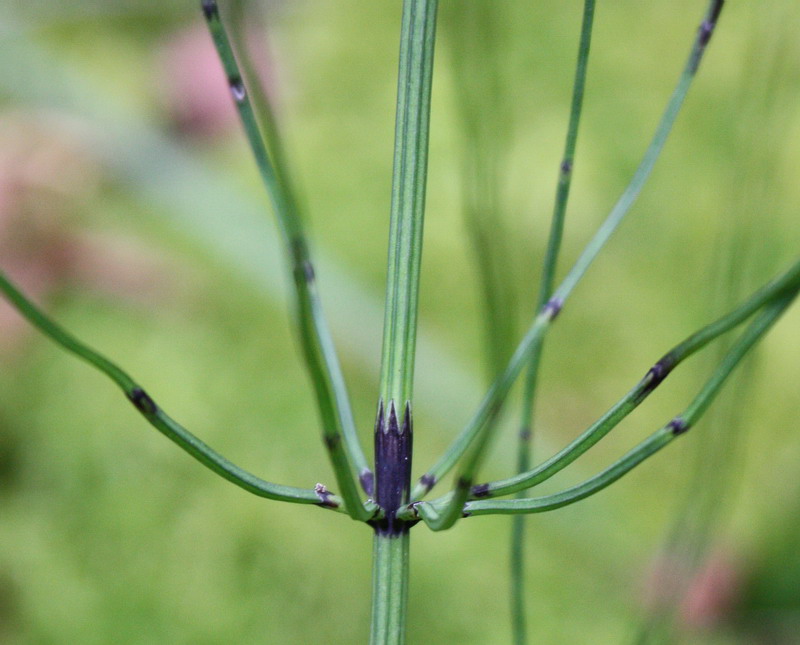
{"points": [[109, 533]]}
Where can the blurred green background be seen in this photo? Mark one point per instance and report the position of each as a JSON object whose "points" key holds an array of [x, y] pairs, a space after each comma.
{"points": [[130, 207]]}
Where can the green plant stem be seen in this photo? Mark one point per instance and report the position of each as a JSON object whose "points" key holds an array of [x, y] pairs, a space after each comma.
{"points": [[517, 555], [787, 283], [393, 427], [159, 419], [677, 426], [408, 201], [389, 589], [489, 407], [339, 432]]}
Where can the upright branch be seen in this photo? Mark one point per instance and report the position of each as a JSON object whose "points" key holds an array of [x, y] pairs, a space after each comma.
{"points": [[547, 281], [339, 430], [480, 424]]}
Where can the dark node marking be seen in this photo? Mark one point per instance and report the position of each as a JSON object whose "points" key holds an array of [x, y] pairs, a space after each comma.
{"points": [[210, 9], [678, 426], [706, 29], [428, 481], [367, 479], [464, 483], [481, 490], [656, 374], [566, 166], [324, 496], [525, 434], [238, 91], [553, 308], [142, 401], [308, 271], [332, 441]]}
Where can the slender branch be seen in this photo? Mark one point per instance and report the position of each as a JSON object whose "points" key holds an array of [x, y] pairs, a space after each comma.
{"points": [[545, 290], [339, 430], [651, 155], [788, 282], [262, 105], [482, 104], [677, 426], [497, 394], [159, 419]]}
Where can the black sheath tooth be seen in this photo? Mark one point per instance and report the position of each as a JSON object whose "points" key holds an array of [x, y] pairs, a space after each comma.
{"points": [[481, 490]]}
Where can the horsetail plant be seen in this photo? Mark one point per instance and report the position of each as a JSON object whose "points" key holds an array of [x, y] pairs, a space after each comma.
{"points": [[382, 496]]}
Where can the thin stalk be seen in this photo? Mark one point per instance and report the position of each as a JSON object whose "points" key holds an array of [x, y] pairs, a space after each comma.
{"points": [[676, 427], [482, 105], [499, 391], [408, 201], [262, 105], [788, 282], [159, 419], [517, 556], [389, 589], [393, 436], [339, 432]]}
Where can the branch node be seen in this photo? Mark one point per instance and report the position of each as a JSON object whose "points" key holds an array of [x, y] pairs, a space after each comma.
{"points": [[678, 426], [325, 496]]}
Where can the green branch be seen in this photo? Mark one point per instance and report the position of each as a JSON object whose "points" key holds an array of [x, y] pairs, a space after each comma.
{"points": [[433, 512], [787, 282], [493, 401], [339, 430], [676, 427], [159, 419], [565, 171]]}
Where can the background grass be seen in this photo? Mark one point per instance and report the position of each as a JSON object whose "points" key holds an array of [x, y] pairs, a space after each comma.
{"points": [[108, 533]]}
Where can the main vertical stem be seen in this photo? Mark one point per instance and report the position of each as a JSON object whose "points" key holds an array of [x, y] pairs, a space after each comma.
{"points": [[393, 426]]}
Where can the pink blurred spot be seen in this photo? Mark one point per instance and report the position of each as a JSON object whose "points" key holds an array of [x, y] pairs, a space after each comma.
{"points": [[193, 85]]}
